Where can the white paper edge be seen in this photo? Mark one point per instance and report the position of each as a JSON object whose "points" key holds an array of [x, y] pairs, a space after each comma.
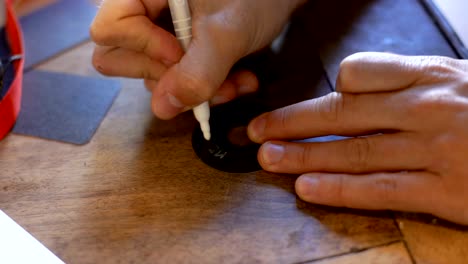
{"points": [[17, 246]]}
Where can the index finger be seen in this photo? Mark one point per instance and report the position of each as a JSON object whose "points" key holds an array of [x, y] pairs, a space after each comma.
{"points": [[341, 114], [128, 24]]}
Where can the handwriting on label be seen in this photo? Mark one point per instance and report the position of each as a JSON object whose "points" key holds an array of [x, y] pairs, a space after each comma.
{"points": [[218, 152]]}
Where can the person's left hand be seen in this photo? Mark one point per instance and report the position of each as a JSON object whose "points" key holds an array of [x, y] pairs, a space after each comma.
{"points": [[408, 122]]}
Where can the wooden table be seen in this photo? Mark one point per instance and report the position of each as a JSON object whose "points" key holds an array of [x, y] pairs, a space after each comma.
{"points": [[137, 193]]}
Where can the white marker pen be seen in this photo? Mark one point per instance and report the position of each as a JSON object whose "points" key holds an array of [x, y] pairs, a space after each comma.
{"points": [[182, 20]]}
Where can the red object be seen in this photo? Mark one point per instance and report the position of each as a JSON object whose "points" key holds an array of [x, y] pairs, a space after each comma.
{"points": [[11, 103]]}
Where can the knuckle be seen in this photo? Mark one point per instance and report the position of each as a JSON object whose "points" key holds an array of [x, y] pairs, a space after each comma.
{"points": [[143, 44], [435, 63], [441, 101], [433, 101], [150, 71], [282, 118], [330, 106], [418, 105], [349, 66], [387, 190], [100, 34], [229, 28], [437, 68], [305, 158], [340, 192], [195, 87], [358, 154], [353, 61], [441, 146]]}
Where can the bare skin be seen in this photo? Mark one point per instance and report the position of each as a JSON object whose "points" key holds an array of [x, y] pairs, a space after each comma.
{"points": [[224, 31], [407, 116], [408, 119]]}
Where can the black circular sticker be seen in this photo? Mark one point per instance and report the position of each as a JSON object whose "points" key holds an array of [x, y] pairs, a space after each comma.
{"points": [[229, 149]]}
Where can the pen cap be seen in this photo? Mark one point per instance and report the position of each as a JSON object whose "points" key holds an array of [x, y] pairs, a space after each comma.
{"points": [[180, 12]]}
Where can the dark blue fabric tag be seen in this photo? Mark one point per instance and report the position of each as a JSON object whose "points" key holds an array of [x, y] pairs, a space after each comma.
{"points": [[64, 107], [56, 28]]}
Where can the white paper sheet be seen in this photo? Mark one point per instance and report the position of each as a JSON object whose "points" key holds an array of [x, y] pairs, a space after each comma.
{"points": [[19, 247]]}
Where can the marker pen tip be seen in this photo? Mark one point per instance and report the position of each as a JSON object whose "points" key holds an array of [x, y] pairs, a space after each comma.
{"points": [[205, 127]]}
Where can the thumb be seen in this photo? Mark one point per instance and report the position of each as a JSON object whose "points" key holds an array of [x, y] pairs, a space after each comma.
{"points": [[195, 79]]}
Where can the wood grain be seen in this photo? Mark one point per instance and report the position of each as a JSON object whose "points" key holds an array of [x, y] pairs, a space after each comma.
{"points": [[137, 193], [434, 241], [390, 254]]}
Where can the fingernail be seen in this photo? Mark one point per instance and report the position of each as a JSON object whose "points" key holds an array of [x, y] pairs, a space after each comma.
{"points": [[257, 128], [219, 99], [245, 89], [306, 186], [174, 101], [186, 108], [272, 153]]}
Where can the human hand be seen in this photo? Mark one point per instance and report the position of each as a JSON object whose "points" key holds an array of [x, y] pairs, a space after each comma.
{"points": [[408, 119], [224, 31]]}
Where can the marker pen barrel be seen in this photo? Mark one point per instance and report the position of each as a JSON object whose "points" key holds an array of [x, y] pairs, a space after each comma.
{"points": [[182, 20]]}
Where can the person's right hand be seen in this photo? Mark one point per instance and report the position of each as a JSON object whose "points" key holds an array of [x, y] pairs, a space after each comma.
{"points": [[224, 31]]}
